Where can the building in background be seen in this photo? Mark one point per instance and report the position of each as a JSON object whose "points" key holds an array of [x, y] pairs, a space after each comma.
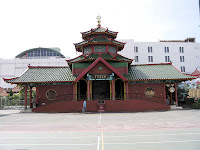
{"points": [[11, 68], [184, 55]]}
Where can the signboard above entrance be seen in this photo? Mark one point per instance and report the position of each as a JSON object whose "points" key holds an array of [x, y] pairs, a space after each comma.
{"points": [[101, 76]]}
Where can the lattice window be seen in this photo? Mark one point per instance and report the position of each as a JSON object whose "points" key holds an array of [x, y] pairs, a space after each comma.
{"points": [[87, 49], [51, 94], [112, 49], [100, 48]]}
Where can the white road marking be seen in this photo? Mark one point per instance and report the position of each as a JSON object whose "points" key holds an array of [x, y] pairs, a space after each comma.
{"points": [[47, 137], [52, 144], [155, 135], [152, 142], [98, 143], [52, 137], [100, 119]]}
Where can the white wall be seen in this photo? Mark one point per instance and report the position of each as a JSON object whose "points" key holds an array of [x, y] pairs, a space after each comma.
{"points": [[191, 53], [10, 68]]}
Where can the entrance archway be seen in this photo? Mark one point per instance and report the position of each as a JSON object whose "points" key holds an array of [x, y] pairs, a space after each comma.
{"points": [[82, 90], [100, 90], [119, 89]]}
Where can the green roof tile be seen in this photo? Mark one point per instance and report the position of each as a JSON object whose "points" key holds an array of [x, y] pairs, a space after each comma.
{"points": [[45, 74], [105, 56], [156, 72]]}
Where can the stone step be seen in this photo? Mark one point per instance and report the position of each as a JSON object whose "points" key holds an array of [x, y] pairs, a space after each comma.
{"points": [[174, 107]]}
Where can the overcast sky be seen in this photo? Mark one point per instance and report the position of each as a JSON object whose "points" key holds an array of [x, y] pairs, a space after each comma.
{"points": [[26, 24]]}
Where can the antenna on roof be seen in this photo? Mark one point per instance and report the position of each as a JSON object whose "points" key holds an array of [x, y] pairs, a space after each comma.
{"points": [[98, 20]]}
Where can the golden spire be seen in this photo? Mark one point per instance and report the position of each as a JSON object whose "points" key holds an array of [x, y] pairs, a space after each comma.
{"points": [[98, 20]]}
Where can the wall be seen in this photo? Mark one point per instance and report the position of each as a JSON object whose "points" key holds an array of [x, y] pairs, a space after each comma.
{"points": [[140, 88], [110, 106], [64, 92], [10, 68], [191, 53]]}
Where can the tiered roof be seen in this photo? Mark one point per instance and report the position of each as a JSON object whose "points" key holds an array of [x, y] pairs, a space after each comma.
{"points": [[136, 73], [44, 74], [93, 56], [156, 72], [99, 30]]}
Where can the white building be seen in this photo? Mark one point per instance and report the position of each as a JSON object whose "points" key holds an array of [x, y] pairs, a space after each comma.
{"points": [[10, 68], [184, 55]]}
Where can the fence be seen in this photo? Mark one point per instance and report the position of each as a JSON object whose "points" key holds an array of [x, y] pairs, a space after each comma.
{"points": [[11, 102], [70, 97]]}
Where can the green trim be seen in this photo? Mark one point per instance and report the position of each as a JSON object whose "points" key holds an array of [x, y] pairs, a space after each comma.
{"points": [[52, 83], [81, 65], [155, 81]]}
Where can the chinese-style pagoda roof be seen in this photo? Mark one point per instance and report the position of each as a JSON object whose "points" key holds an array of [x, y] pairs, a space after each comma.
{"points": [[44, 74], [97, 41], [99, 30], [156, 72], [196, 73], [136, 73], [106, 56]]}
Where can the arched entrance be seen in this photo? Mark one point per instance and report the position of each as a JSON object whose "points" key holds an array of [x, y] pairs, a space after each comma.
{"points": [[119, 89], [100, 90], [82, 90]]}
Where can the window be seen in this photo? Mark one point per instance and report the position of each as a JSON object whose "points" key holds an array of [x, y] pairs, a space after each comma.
{"points": [[112, 49], [150, 50], [150, 58], [166, 49], [87, 49], [135, 49], [51, 94], [181, 50], [182, 59], [99, 48], [182, 68], [136, 59], [167, 59]]}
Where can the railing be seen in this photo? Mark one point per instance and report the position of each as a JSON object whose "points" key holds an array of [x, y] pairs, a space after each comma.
{"points": [[126, 96], [81, 97], [11, 102]]}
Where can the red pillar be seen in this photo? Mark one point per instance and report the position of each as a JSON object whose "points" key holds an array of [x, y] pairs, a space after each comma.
{"points": [[164, 96], [127, 91], [88, 90], [25, 97], [176, 96], [30, 97], [74, 91], [36, 100], [113, 89]]}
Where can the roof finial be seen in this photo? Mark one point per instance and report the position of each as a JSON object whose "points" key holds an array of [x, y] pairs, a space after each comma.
{"points": [[99, 20]]}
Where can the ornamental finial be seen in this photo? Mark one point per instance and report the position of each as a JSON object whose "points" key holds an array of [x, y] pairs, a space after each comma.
{"points": [[98, 20]]}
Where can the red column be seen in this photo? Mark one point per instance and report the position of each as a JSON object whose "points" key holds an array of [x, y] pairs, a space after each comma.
{"points": [[88, 90], [74, 91], [25, 97], [30, 97], [113, 89], [36, 100], [164, 96], [176, 96], [127, 91]]}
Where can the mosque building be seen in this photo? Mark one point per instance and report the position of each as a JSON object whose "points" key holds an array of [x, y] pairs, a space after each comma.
{"points": [[105, 79]]}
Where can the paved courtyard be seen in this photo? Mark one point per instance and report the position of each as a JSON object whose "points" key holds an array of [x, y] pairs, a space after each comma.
{"points": [[174, 130]]}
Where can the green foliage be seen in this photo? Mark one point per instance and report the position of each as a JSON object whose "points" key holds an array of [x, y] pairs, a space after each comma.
{"points": [[196, 105], [11, 92]]}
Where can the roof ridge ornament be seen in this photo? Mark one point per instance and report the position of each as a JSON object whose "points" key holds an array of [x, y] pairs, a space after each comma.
{"points": [[98, 20]]}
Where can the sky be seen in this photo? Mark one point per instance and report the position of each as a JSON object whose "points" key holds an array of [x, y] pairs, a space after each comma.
{"points": [[26, 24]]}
